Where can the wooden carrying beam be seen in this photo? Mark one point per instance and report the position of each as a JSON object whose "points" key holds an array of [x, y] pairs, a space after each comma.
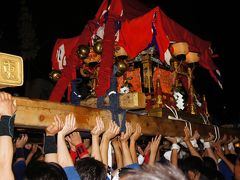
{"points": [[39, 114]]}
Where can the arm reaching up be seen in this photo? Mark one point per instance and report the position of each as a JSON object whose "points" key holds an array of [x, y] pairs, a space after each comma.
{"points": [[175, 149], [208, 147], [118, 151], [96, 132], [7, 115], [50, 146], [237, 168], [111, 132], [20, 143], [187, 138], [64, 158], [220, 153], [154, 149], [33, 150], [133, 139], [127, 158], [78, 149]]}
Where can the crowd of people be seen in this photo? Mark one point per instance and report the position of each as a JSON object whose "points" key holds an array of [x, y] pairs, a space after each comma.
{"points": [[111, 154]]}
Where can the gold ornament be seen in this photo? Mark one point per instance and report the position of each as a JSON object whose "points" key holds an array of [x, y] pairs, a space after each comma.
{"points": [[122, 67], [55, 75], [83, 51], [97, 47]]}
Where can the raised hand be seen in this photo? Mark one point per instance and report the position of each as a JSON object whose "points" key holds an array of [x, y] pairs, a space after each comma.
{"points": [[34, 148], [154, 148], [140, 151], [235, 140], [112, 130], [63, 156], [155, 143], [72, 147], [196, 135], [125, 136], [147, 148], [55, 127], [99, 128], [223, 140], [69, 125], [7, 104], [187, 134], [218, 150], [74, 138], [210, 137], [21, 141], [137, 133], [116, 143], [173, 140]]}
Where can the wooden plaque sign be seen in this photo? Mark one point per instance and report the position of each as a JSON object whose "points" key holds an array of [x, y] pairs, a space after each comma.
{"points": [[11, 70]]}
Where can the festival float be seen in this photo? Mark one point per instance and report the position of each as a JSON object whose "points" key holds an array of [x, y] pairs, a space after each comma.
{"points": [[138, 64]]}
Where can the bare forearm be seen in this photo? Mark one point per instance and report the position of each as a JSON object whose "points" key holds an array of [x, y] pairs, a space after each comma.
{"points": [[174, 158], [29, 157], [64, 158], [51, 157], [95, 152], [127, 159], [192, 150], [152, 157], [158, 157], [133, 151], [6, 155], [104, 150], [118, 155]]}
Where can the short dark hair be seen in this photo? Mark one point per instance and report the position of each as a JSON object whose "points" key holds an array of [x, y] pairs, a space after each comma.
{"points": [[41, 170], [90, 168], [209, 163], [192, 163]]}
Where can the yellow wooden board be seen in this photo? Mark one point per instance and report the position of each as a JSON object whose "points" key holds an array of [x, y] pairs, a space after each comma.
{"points": [[11, 70], [127, 101]]}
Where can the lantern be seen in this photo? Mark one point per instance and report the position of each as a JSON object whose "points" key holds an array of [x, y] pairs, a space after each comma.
{"points": [[179, 50], [192, 57]]}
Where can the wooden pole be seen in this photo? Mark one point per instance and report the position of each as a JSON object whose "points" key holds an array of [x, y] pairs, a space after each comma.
{"points": [[39, 113]]}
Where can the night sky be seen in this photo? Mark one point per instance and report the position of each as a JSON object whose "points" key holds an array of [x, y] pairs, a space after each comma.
{"points": [[215, 22]]}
